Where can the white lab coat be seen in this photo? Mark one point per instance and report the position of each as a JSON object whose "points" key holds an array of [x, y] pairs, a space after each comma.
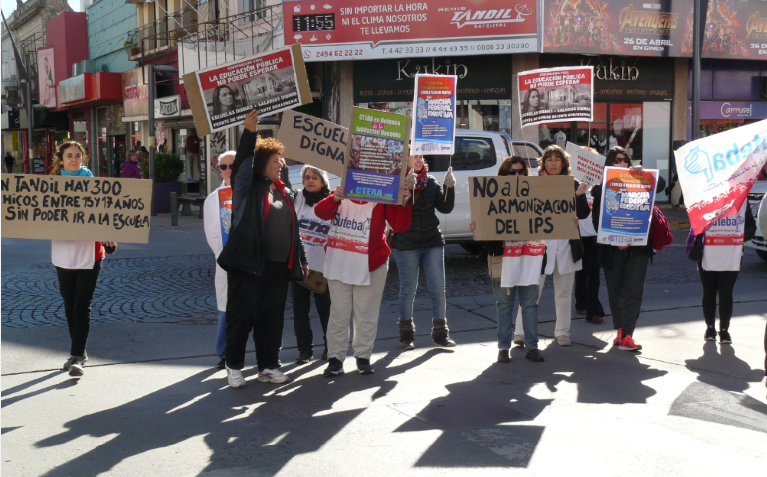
{"points": [[212, 222], [559, 254]]}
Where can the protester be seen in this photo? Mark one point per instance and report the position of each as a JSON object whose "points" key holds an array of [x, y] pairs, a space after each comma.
{"points": [[78, 264], [356, 264], [218, 223], [422, 246], [263, 253], [10, 161], [563, 257], [625, 266], [522, 264], [129, 168], [718, 267], [314, 234]]}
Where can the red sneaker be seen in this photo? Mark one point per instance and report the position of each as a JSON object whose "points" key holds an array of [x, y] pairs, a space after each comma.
{"points": [[628, 344], [617, 339]]}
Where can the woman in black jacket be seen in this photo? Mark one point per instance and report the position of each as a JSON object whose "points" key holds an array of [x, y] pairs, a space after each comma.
{"points": [[625, 266], [422, 246], [263, 253]]}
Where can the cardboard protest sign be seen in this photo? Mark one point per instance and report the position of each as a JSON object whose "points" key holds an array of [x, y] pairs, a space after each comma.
{"points": [[221, 96], [523, 208], [378, 151], [586, 165], [626, 207], [314, 141], [434, 118], [225, 212], [76, 208], [717, 172], [556, 95]]}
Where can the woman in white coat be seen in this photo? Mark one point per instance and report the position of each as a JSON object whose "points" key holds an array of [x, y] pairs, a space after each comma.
{"points": [[217, 213]]}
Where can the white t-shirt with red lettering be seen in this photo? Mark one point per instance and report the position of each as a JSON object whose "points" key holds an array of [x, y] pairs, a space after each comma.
{"points": [[724, 243], [522, 262]]}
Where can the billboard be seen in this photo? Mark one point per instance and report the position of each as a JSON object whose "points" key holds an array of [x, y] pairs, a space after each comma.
{"points": [[371, 29], [46, 77], [135, 93], [736, 29]]}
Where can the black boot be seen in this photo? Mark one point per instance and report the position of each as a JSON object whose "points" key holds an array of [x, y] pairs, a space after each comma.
{"points": [[440, 333], [407, 334]]}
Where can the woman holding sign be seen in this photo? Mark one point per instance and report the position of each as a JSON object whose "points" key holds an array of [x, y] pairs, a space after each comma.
{"points": [[78, 264], [422, 246], [563, 256]]}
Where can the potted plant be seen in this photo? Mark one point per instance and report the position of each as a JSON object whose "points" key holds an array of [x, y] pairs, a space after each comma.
{"points": [[176, 36], [131, 45], [167, 167]]}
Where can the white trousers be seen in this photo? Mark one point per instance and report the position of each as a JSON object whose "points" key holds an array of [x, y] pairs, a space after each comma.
{"points": [[363, 303], [563, 297]]}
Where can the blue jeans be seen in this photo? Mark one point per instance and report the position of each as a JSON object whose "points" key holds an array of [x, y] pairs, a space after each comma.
{"points": [[528, 301], [221, 335], [432, 260]]}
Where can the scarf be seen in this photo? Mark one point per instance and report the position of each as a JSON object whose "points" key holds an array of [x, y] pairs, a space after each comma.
{"points": [[81, 172], [312, 198], [421, 180]]}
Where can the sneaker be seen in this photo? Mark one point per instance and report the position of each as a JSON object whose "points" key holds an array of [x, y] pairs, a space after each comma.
{"points": [[710, 334], [272, 376], [407, 344], [76, 369], [221, 364], [628, 344], [304, 357], [563, 340], [444, 342], [503, 356], [534, 355], [724, 337], [618, 338], [234, 377], [364, 367], [335, 367], [68, 364], [519, 340]]}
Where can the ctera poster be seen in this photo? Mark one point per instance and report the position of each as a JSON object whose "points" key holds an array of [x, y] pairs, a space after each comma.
{"points": [[556, 95], [221, 96], [225, 212], [434, 118], [375, 170], [628, 198]]}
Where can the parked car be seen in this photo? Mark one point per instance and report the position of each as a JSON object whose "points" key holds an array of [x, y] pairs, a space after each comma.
{"points": [[758, 197], [477, 153]]}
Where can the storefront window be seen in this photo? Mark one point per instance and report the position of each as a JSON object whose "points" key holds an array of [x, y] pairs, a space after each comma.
{"points": [[101, 143], [135, 135]]}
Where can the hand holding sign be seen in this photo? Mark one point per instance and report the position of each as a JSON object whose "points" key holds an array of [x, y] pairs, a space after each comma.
{"points": [[449, 178], [251, 121]]}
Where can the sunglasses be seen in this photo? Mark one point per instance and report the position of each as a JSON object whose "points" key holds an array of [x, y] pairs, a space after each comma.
{"points": [[514, 172], [619, 160], [224, 167]]}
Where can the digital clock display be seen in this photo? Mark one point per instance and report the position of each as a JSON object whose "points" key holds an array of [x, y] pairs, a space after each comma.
{"points": [[322, 22]]}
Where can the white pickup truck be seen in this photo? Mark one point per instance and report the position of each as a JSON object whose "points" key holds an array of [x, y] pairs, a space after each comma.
{"points": [[478, 153], [758, 197]]}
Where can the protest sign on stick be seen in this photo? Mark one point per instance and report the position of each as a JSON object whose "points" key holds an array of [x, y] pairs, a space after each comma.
{"points": [[556, 95], [76, 208], [314, 141], [221, 96], [377, 157], [626, 208], [586, 165], [523, 208], [434, 114], [717, 172]]}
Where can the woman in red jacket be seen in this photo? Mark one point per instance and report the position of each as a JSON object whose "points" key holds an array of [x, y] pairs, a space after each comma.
{"points": [[356, 264]]}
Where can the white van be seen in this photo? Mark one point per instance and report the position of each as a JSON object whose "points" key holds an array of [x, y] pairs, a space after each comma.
{"points": [[478, 153], [756, 197]]}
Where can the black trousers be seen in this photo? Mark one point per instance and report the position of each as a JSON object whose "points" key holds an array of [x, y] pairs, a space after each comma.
{"points": [[587, 281], [258, 304], [301, 322], [77, 288], [624, 277], [714, 283]]}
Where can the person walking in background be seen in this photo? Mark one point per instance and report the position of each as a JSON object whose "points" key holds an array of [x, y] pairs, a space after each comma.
{"points": [[218, 223], [563, 257], [522, 264], [314, 234], [9, 161], [422, 246], [625, 266], [78, 264], [356, 264], [129, 168], [262, 254], [718, 265]]}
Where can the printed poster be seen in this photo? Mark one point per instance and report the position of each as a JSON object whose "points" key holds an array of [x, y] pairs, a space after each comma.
{"points": [[46, 77], [736, 29], [225, 212], [586, 165], [378, 151], [717, 172], [627, 201], [434, 121], [556, 95], [271, 82]]}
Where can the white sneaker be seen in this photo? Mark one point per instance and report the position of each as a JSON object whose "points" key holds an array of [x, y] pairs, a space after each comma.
{"points": [[235, 377], [519, 340], [272, 376], [563, 340]]}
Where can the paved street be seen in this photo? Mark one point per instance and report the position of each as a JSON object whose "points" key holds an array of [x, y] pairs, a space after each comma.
{"points": [[151, 404]]}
